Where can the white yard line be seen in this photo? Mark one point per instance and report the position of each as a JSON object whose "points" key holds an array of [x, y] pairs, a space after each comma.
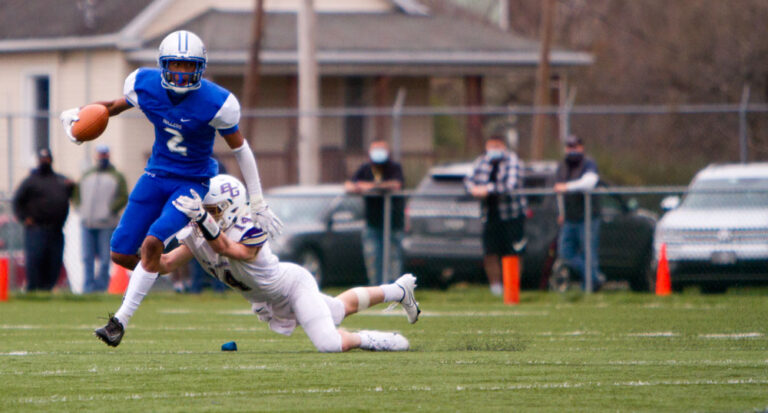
{"points": [[59, 398], [654, 334], [732, 336]]}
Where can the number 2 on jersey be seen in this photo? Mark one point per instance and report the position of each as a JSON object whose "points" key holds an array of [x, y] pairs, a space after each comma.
{"points": [[174, 144]]}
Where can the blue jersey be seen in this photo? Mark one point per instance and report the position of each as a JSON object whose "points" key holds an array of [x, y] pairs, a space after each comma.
{"points": [[184, 132]]}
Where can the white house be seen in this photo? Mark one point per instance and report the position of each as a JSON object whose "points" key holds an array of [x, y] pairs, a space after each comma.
{"points": [[58, 54]]}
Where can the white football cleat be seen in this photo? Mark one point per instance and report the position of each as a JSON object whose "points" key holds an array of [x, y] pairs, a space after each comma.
{"points": [[383, 341], [408, 283]]}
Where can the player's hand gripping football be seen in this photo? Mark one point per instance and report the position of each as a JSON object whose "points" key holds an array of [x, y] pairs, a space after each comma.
{"points": [[68, 117], [192, 207], [265, 218]]}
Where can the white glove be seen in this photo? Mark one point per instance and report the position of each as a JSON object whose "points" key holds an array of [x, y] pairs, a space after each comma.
{"points": [[265, 218], [68, 117], [191, 207]]}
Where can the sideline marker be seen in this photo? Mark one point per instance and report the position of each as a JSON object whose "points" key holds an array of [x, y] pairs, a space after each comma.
{"points": [[4, 276], [510, 266], [663, 281], [119, 281]]}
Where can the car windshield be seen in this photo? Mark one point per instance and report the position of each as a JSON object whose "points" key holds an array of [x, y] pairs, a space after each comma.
{"points": [[299, 209], [447, 185], [728, 193]]}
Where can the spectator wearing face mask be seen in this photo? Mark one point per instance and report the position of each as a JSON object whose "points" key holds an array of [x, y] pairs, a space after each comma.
{"points": [[99, 197], [375, 178], [495, 176], [575, 174], [41, 204]]}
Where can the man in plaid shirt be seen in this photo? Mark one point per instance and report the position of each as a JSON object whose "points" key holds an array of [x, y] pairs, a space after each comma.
{"points": [[495, 177]]}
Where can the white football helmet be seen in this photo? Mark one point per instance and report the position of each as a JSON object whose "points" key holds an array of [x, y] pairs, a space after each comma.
{"points": [[226, 200], [182, 46]]}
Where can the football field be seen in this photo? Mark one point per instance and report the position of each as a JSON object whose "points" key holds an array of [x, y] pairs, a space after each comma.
{"points": [[612, 351]]}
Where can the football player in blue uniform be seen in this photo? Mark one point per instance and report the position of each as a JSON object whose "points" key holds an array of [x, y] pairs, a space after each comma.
{"points": [[186, 111]]}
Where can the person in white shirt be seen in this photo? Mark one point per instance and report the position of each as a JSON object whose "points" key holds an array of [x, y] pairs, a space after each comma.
{"points": [[222, 237]]}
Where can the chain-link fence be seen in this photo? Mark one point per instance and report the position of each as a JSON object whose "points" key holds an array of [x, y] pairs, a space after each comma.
{"points": [[632, 145], [712, 237], [681, 139]]}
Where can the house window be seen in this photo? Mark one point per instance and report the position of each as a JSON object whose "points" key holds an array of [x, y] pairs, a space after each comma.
{"points": [[354, 125], [41, 105]]}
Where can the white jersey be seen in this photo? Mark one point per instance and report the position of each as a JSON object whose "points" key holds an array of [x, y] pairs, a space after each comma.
{"points": [[258, 279]]}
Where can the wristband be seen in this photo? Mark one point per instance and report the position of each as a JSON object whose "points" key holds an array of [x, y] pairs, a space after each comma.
{"points": [[209, 227]]}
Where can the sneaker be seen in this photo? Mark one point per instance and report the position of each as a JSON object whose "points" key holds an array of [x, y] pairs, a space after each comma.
{"points": [[560, 278], [408, 282], [111, 333], [384, 341]]}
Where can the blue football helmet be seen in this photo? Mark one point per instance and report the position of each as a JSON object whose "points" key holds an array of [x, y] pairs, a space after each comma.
{"points": [[187, 47]]}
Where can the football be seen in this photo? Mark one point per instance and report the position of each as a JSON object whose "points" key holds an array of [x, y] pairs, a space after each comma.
{"points": [[93, 120]]}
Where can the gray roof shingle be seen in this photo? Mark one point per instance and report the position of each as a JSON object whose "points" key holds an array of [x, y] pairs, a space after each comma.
{"points": [[36, 19], [356, 32]]}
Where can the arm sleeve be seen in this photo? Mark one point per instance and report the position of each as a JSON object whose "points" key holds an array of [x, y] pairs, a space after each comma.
{"points": [[254, 237], [472, 177], [513, 174], [19, 201], [228, 116], [247, 162], [587, 181], [129, 89]]}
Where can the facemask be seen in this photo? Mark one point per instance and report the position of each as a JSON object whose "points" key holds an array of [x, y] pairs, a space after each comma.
{"points": [[495, 154], [379, 155], [103, 163], [573, 157]]}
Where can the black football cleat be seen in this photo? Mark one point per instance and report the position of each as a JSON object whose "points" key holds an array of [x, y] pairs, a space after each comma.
{"points": [[111, 333]]}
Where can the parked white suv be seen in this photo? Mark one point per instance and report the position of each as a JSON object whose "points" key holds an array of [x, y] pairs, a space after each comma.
{"points": [[718, 236]]}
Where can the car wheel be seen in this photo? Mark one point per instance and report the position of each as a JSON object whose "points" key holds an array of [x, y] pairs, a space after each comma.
{"points": [[310, 259]]}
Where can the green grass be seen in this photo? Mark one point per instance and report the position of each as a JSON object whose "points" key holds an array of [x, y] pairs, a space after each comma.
{"points": [[613, 351]]}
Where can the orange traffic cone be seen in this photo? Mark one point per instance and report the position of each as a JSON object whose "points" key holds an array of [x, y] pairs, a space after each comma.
{"points": [[4, 279], [119, 281], [510, 266], [663, 281]]}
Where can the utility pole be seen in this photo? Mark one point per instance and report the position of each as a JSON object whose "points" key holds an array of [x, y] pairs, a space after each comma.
{"points": [[252, 75], [504, 8], [541, 99], [309, 148]]}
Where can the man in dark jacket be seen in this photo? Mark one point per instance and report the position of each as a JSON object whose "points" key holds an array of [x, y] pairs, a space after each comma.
{"points": [[373, 179], [41, 204], [575, 175]]}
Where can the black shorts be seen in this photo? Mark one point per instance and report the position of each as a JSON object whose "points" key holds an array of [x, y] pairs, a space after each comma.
{"points": [[504, 237]]}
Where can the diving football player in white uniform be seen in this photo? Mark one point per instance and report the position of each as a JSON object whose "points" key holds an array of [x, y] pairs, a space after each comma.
{"points": [[224, 240]]}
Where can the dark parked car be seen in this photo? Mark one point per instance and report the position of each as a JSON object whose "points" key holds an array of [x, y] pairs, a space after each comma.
{"points": [[443, 235], [323, 232]]}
